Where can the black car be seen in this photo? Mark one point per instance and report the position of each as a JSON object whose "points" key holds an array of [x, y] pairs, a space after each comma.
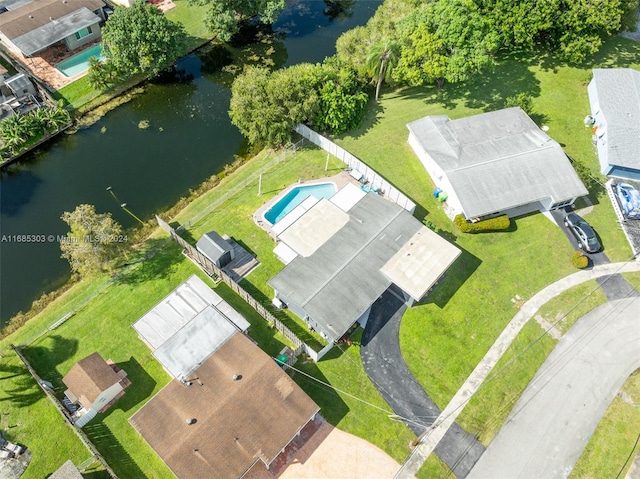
{"points": [[587, 239]]}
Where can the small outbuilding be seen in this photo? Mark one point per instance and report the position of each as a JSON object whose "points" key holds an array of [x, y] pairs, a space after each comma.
{"points": [[495, 163], [614, 95], [94, 385], [217, 248]]}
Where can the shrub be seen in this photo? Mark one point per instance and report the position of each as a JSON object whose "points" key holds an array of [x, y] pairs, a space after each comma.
{"points": [[579, 260], [499, 223]]}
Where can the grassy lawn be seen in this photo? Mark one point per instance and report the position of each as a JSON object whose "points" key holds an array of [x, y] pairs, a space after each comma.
{"points": [[633, 278], [442, 338], [572, 305], [613, 447], [105, 311]]}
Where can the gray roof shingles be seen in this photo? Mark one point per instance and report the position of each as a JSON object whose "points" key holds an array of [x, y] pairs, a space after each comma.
{"points": [[498, 160], [329, 284], [619, 100]]}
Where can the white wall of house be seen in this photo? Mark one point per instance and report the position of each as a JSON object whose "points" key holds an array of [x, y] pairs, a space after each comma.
{"points": [[105, 396], [72, 41], [601, 132], [437, 174], [9, 44]]}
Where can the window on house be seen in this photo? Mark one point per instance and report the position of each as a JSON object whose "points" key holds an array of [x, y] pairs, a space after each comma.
{"points": [[80, 34]]}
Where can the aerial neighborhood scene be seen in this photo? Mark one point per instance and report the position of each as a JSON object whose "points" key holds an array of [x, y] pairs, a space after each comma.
{"points": [[319, 239]]}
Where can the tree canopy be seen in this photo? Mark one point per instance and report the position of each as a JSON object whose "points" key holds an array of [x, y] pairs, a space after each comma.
{"points": [[266, 105], [93, 241], [224, 16], [140, 39]]}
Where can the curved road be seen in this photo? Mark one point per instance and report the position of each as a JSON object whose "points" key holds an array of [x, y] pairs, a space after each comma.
{"points": [[383, 362], [558, 412]]}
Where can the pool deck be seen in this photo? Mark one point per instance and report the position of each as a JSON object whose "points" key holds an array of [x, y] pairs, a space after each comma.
{"points": [[340, 180]]}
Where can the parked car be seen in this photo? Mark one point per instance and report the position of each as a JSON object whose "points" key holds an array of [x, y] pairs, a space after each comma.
{"points": [[629, 199], [587, 239]]}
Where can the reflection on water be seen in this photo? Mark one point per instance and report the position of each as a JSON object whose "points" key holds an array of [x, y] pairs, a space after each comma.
{"points": [[151, 150]]}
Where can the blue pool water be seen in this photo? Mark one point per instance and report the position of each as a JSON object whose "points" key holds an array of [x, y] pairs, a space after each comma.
{"points": [[296, 196], [79, 62]]}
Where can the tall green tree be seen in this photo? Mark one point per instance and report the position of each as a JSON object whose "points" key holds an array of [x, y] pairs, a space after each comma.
{"points": [[381, 59], [224, 16], [92, 242], [265, 106], [140, 39]]}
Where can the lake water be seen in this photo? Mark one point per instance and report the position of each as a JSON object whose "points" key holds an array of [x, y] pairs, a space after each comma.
{"points": [[151, 151]]}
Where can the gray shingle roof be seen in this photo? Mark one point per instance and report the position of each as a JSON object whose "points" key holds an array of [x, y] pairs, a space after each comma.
{"points": [[498, 160], [618, 91], [343, 277]]}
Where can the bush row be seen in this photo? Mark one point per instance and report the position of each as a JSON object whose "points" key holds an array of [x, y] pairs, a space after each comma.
{"points": [[499, 223]]}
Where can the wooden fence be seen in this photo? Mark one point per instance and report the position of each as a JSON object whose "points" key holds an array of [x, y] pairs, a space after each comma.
{"points": [[354, 163], [210, 268], [61, 409]]}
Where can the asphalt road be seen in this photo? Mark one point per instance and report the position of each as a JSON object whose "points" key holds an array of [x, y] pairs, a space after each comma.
{"points": [[383, 362], [558, 412]]}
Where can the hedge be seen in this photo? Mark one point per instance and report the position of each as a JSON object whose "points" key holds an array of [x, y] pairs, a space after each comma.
{"points": [[499, 223], [579, 260]]}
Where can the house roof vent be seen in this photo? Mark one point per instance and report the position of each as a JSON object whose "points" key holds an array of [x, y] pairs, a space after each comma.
{"points": [[237, 377], [191, 421]]}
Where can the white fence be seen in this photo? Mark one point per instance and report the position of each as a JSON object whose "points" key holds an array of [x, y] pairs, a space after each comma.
{"points": [[375, 180]]}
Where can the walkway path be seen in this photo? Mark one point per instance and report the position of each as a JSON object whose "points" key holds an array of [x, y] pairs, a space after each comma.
{"points": [[383, 362], [550, 425], [446, 419]]}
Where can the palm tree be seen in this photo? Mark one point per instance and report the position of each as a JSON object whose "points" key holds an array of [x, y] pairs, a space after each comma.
{"points": [[381, 60]]}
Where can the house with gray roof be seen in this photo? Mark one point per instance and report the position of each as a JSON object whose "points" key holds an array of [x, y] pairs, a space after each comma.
{"points": [[495, 163], [187, 326], [28, 27], [343, 253], [614, 95]]}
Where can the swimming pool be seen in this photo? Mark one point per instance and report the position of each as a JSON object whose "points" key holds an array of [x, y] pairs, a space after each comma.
{"points": [[296, 196], [80, 61]]}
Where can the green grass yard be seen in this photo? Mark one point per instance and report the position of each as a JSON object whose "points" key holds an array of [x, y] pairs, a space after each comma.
{"points": [[442, 338]]}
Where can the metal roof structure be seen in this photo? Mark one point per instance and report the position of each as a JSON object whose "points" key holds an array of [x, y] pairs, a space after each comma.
{"points": [[348, 269], [33, 26], [188, 325], [498, 160], [618, 92]]}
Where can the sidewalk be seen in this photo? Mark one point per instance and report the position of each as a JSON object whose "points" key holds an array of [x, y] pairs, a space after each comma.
{"points": [[448, 416]]}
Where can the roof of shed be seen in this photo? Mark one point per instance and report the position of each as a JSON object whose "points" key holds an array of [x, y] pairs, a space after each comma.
{"points": [[89, 377], [498, 160], [213, 245], [619, 100], [237, 421]]}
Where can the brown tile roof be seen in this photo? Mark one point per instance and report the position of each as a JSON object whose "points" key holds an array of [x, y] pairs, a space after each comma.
{"points": [[237, 421], [31, 16], [89, 377]]}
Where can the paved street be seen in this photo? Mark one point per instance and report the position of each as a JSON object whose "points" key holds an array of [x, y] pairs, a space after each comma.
{"points": [[558, 412]]}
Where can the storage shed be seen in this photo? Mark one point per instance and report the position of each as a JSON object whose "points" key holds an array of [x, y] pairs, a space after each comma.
{"points": [[216, 248]]}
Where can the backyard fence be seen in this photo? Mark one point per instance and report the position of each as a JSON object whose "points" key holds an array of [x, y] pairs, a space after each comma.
{"points": [[211, 269], [353, 163], [61, 409]]}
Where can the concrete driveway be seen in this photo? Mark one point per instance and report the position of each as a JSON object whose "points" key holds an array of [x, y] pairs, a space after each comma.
{"points": [[560, 409], [383, 362], [334, 454]]}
